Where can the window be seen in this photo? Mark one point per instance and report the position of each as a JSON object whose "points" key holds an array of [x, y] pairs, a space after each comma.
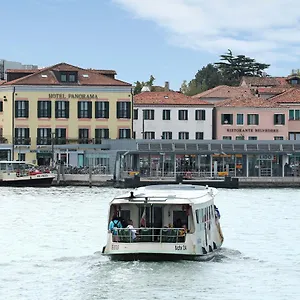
{"points": [[62, 109], [102, 109], [199, 135], [294, 114], [1, 106], [135, 114], [22, 109], [279, 119], [183, 135], [294, 81], [123, 110], [252, 138], [124, 133], [239, 119], [68, 77], [227, 138], [43, 136], [83, 135], [278, 138], [149, 114], [22, 136], [166, 114], [200, 115], [60, 136], [252, 119], [183, 114], [226, 119], [294, 136], [149, 135], [84, 109], [44, 109], [239, 137], [166, 135], [21, 157], [101, 133]]}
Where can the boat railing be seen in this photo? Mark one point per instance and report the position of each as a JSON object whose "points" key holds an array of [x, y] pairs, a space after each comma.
{"points": [[150, 235]]}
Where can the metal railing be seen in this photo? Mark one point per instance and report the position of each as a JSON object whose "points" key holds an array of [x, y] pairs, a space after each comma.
{"points": [[149, 235]]}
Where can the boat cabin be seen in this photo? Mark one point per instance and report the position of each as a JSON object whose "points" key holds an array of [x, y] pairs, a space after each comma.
{"points": [[164, 214]]}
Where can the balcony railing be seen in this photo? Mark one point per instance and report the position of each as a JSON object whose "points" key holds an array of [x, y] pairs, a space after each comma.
{"points": [[22, 141], [43, 141]]}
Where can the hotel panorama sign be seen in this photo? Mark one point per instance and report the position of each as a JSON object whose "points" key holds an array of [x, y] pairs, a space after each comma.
{"points": [[241, 130], [73, 96]]}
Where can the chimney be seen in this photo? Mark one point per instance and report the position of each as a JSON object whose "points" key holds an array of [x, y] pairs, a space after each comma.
{"points": [[167, 86]]}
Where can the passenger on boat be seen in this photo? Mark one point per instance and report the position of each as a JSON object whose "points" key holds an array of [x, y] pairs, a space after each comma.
{"points": [[114, 225], [133, 231], [178, 223], [183, 231]]}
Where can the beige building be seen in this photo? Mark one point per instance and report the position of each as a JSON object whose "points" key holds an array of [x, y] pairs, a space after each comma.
{"points": [[62, 104]]}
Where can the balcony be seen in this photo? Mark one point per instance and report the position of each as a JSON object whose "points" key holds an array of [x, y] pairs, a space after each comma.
{"points": [[22, 141], [43, 141]]}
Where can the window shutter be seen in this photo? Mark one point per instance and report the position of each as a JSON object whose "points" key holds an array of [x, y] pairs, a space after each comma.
{"points": [[106, 110], [27, 133], [96, 110], [78, 109], [49, 110], [248, 119], [129, 110], [203, 115], [283, 119], [16, 110], [222, 119], [118, 111], [39, 109], [26, 109], [257, 118], [274, 119], [90, 109], [107, 133], [67, 106], [196, 112], [56, 113]]}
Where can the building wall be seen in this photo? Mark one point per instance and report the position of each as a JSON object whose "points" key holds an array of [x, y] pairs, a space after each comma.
{"points": [[72, 124], [158, 125], [266, 130]]}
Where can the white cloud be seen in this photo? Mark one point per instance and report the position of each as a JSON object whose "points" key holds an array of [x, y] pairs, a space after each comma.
{"points": [[260, 28]]}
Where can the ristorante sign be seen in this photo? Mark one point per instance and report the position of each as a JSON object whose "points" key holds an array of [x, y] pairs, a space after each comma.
{"points": [[241, 130], [73, 96]]}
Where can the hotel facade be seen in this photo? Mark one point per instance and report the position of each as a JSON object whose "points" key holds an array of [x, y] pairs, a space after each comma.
{"points": [[62, 105]]}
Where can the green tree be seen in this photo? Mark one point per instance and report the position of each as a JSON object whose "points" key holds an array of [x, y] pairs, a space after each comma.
{"points": [[140, 84]]}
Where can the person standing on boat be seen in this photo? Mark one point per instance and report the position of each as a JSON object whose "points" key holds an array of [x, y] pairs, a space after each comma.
{"points": [[114, 225], [132, 230], [217, 213]]}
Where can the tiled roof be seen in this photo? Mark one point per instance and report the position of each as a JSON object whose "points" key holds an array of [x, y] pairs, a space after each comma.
{"points": [[290, 96], [109, 72], [272, 90], [253, 102], [224, 91], [47, 76], [166, 98], [265, 81]]}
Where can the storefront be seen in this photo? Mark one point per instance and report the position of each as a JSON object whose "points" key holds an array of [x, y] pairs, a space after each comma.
{"points": [[265, 165]]}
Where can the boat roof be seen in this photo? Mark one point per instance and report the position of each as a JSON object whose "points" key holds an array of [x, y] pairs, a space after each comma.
{"points": [[169, 193]]}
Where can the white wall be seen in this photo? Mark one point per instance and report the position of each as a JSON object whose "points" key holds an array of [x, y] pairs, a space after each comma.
{"points": [[158, 125]]}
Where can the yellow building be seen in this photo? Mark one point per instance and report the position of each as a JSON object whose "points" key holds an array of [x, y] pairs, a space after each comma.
{"points": [[62, 105]]}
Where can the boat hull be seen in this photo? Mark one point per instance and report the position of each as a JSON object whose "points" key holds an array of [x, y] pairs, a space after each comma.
{"points": [[30, 182]]}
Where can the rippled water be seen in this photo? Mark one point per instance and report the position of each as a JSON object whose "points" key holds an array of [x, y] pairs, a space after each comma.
{"points": [[51, 241]]}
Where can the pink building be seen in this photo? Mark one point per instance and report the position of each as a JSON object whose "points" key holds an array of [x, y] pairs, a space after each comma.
{"points": [[291, 100], [251, 118]]}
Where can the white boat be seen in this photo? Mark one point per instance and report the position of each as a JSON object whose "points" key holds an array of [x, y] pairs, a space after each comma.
{"points": [[23, 174], [170, 222]]}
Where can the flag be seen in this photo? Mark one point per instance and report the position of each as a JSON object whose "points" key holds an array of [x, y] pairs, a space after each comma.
{"points": [[143, 219]]}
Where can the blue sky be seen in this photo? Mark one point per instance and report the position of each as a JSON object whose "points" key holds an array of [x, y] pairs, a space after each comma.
{"points": [[170, 39]]}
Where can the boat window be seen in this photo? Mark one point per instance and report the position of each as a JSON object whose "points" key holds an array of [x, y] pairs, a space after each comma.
{"points": [[9, 167], [197, 215], [2, 166], [125, 215]]}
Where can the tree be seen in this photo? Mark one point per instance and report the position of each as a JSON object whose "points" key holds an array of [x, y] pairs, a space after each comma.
{"points": [[233, 68], [139, 85]]}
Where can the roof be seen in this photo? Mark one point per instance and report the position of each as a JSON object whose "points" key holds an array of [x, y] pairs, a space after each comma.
{"points": [[2, 81], [290, 96], [253, 101], [166, 98], [265, 81], [169, 193], [111, 72], [47, 76], [224, 91], [272, 90]]}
